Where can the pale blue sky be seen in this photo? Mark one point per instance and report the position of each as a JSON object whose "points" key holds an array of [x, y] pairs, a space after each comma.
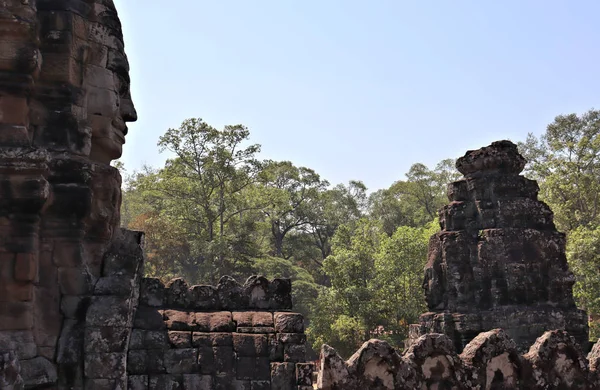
{"points": [[359, 89]]}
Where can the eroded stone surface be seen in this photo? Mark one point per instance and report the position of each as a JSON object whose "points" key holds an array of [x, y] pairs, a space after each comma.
{"points": [[498, 261]]}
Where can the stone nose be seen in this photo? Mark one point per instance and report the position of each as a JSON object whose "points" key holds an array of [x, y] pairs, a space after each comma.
{"points": [[128, 112]]}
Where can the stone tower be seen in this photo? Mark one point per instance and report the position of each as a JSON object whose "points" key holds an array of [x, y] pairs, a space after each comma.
{"points": [[498, 261]]}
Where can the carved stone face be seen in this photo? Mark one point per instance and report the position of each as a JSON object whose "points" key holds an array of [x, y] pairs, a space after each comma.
{"points": [[109, 104]]}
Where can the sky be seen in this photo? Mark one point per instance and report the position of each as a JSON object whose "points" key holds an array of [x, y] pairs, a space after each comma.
{"points": [[359, 90]]}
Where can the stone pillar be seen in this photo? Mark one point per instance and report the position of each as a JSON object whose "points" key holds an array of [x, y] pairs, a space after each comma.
{"points": [[498, 261]]}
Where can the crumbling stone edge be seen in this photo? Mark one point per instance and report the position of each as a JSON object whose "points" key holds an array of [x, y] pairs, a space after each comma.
{"points": [[490, 360]]}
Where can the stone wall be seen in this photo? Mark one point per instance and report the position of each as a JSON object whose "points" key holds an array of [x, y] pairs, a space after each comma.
{"points": [[228, 336], [490, 361]]}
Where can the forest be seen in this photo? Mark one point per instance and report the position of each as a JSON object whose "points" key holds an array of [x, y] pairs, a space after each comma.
{"points": [[355, 256]]}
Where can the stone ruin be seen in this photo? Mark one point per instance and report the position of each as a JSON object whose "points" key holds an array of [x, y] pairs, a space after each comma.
{"points": [[490, 361], [75, 312], [498, 261], [499, 291]]}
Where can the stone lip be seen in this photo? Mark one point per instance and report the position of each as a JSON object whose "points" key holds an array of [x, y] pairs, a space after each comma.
{"points": [[499, 157]]}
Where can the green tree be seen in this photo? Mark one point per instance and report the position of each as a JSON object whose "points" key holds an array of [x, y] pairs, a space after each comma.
{"points": [[414, 201], [583, 254], [566, 162], [201, 196], [289, 197], [375, 285]]}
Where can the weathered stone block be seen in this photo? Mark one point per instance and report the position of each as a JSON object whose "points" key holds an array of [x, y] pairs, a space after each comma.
{"points": [[142, 362], [181, 361], [206, 360], [118, 285], [212, 339], [250, 345], [16, 315], [182, 320], [108, 311], [260, 385], [292, 338], [256, 289], [136, 362], [224, 360], [74, 307], [204, 298], [214, 322], [178, 294], [283, 376], [10, 371], [136, 340], [255, 330], [75, 281], [16, 292], [19, 341], [26, 267], [149, 318], [38, 372], [152, 292], [294, 353], [253, 368], [253, 319], [275, 348], [197, 382], [156, 339], [289, 323], [105, 365], [180, 339], [231, 296], [105, 384], [105, 339], [304, 374], [163, 382], [280, 293], [137, 382], [48, 320]]}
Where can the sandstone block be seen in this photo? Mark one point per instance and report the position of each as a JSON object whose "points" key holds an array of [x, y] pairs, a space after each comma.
{"points": [[108, 311], [206, 360], [152, 292], [215, 322], [253, 368], [118, 285], [180, 339], [294, 353], [250, 345], [137, 382], [197, 382], [26, 267], [289, 323], [178, 294], [16, 315], [231, 294], [304, 374], [163, 382], [149, 318], [204, 298], [181, 361], [283, 376], [38, 372], [106, 339], [253, 319], [105, 365], [19, 341]]}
